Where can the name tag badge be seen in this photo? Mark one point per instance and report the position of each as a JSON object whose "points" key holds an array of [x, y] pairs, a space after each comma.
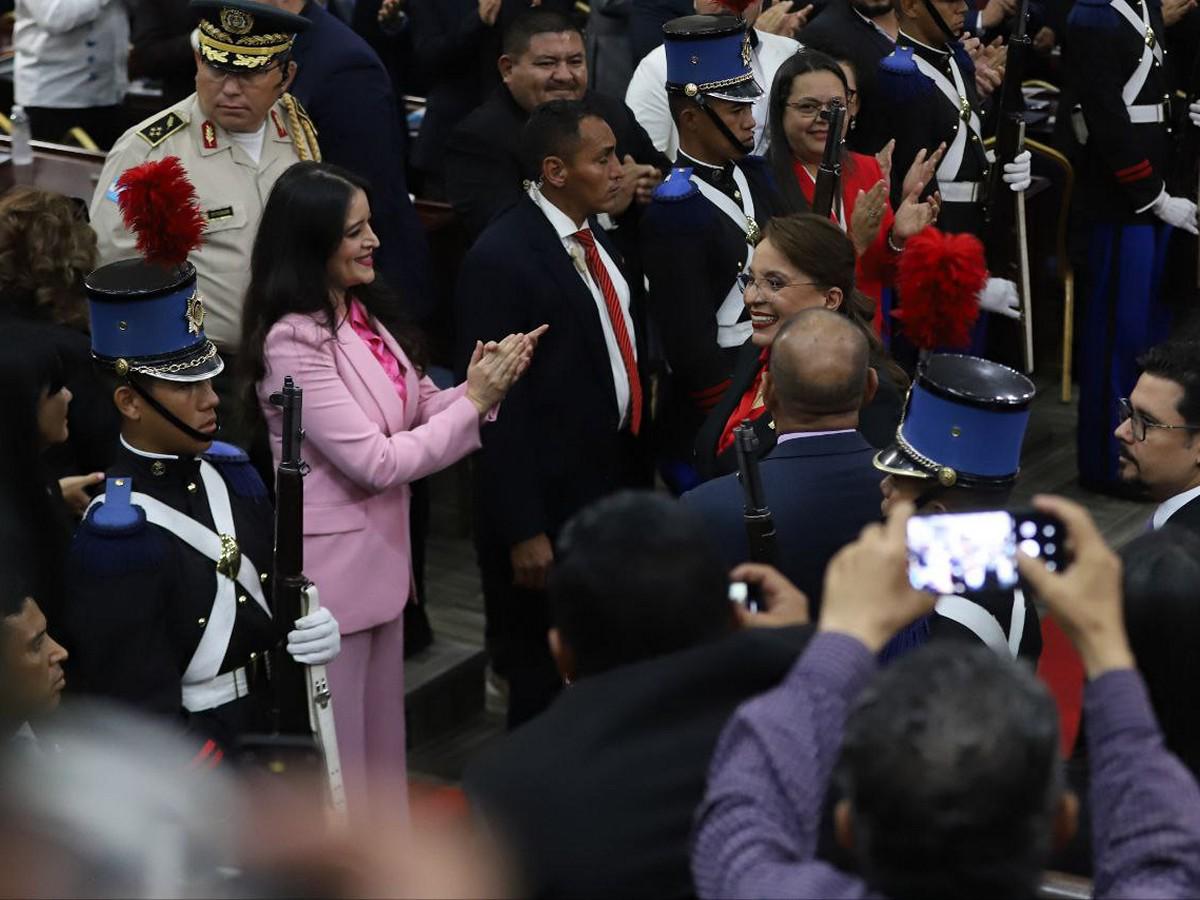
{"points": [[224, 212]]}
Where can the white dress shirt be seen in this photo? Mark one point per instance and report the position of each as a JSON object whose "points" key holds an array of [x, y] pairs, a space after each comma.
{"points": [[646, 96], [70, 54], [566, 229], [1168, 508]]}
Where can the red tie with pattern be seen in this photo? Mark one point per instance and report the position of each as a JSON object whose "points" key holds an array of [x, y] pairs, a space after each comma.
{"points": [[617, 317]]}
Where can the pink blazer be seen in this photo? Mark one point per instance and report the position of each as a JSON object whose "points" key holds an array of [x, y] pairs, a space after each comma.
{"points": [[364, 446]]}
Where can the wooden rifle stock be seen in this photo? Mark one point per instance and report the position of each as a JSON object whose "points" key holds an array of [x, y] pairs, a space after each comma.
{"points": [[1006, 239], [829, 175]]}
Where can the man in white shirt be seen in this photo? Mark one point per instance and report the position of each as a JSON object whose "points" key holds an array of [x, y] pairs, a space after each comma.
{"points": [[1157, 438], [70, 66], [647, 94]]}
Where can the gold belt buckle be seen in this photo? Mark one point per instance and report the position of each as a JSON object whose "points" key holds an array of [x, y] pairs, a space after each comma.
{"points": [[230, 560], [1150, 39]]}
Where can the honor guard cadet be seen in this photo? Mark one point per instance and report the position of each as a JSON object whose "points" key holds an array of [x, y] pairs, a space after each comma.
{"points": [[1116, 102], [958, 448], [235, 136], [169, 572], [698, 234], [927, 98]]}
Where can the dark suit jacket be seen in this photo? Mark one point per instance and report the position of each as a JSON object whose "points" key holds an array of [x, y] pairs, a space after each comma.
{"points": [[877, 421], [484, 170], [1187, 516], [161, 46], [597, 794], [555, 446], [821, 490], [346, 89]]}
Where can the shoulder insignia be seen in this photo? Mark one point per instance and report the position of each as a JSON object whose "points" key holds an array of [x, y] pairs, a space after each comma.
{"points": [[899, 77], [234, 465], [113, 538], [162, 128], [677, 186]]}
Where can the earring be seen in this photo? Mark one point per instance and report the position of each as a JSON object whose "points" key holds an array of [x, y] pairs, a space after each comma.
{"points": [[853, 122]]}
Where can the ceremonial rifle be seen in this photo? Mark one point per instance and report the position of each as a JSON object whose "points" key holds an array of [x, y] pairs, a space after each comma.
{"points": [[1007, 235], [302, 704], [829, 175], [760, 525]]}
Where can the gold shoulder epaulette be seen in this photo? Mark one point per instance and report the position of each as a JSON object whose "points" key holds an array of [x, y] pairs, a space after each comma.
{"points": [[162, 128], [304, 132]]}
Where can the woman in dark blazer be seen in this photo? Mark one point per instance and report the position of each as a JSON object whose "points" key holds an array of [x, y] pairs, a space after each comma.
{"points": [[802, 261]]}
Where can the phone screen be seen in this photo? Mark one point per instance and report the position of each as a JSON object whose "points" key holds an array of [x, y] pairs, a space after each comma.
{"points": [[962, 553]]}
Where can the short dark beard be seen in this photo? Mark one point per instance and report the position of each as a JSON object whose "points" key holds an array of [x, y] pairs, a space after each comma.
{"points": [[872, 10]]}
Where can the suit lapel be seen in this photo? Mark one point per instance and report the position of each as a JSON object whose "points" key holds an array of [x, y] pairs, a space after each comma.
{"points": [[378, 385]]}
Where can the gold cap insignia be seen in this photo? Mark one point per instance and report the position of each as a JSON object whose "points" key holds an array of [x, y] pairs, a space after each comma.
{"points": [[122, 367], [690, 89], [746, 49], [946, 476], [237, 21], [195, 313]]}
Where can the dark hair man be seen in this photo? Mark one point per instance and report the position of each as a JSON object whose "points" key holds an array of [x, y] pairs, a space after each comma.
{"points": [[542, 59], [818, 481], [31, 661], [1157, 438], [958, 448], [699, 233], [597, 793], [570, 429], [950, 767]]}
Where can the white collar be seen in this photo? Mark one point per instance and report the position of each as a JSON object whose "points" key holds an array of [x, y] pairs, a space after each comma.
{"points": [[699, 162], [1168, 508], [874, 25], [923, 44], [563, 225], [796, 435], [145, 453]]}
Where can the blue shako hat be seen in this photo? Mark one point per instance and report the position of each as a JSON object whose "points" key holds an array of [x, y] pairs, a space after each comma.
{"points": [[149, 319], [710, 55], [963, 424]]}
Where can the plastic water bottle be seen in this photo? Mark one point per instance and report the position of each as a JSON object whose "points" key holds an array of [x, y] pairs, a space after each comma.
{"points": [[22, 153]]}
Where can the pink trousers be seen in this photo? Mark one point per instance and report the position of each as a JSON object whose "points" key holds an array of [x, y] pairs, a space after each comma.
{"points": [[367, 681]]}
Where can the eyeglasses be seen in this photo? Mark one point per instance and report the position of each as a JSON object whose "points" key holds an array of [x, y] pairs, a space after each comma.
{"points": [[769, 286], [250, 76], [810, 109], [1139, 423]]}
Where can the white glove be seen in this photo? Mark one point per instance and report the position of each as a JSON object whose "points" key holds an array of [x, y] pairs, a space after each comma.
{"points": [[1194, 112], [1017, 174], [1000, 296], [316, 639], [1177, 211]]}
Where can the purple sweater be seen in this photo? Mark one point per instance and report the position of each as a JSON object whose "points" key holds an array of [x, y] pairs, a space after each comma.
{"points": [[756, 834]]}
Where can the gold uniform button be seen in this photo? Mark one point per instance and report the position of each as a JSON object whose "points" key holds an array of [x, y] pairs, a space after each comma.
{"points": [[191, 488], [202, 622], [158, 469], [263, 577], [241, 598], [737, 195]]}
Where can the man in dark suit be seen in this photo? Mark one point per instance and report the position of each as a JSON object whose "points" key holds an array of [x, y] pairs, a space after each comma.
{"points": [[819, 480], [543, 59], [1159, 434], [160, 37], [568, 433], [597, 794], [347, 92]]}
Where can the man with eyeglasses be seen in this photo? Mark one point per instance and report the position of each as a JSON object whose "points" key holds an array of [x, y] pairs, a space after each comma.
{"points": [[699, 232], [1157, 441], [235, 136]]}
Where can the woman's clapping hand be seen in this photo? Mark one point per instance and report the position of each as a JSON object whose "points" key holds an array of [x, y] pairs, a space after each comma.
{"points": [[496, 366]]}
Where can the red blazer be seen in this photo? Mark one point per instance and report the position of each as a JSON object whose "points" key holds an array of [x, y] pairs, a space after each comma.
{"points": [[877, 267]]}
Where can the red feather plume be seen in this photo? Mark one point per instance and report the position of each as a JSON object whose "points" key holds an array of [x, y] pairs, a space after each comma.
{"points": [[939, 279], [159, 205], [737, 7]]}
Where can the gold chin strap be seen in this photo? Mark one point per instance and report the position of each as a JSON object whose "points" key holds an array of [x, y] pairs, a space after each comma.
{"points": [[304, 135]]}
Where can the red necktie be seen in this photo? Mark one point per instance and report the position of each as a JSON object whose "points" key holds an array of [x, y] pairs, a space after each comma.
{"points": [[617, 317]]}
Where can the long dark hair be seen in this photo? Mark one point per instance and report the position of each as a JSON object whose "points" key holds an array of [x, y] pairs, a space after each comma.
{"points": [[1162, 616], [822, 251], [29, 365], [301, 227], [779, 152]]}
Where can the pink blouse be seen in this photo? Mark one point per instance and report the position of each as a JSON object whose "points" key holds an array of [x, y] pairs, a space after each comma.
{"points": [[361, 323]]}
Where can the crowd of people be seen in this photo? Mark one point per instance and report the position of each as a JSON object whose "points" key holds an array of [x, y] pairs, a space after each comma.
{"points": [[696, 236]]}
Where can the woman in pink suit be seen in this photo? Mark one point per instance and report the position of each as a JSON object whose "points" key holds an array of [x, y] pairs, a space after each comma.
{"points": [[373, 423]]}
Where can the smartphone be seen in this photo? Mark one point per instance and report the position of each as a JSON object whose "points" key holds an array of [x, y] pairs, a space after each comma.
{"points": [[965, 553]]}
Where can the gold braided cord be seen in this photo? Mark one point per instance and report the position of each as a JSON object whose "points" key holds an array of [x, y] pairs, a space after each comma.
{"points": [[283, 43], [304, 135]]}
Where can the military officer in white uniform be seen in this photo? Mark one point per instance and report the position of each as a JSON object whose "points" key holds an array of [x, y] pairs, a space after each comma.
{"points": [[235, 136]]}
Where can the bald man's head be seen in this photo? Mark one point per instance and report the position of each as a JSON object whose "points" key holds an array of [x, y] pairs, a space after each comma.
{"points": [[820, 363]]}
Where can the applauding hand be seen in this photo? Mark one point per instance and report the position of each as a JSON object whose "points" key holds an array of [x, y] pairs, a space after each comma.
{"points": [[495, 367]]}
